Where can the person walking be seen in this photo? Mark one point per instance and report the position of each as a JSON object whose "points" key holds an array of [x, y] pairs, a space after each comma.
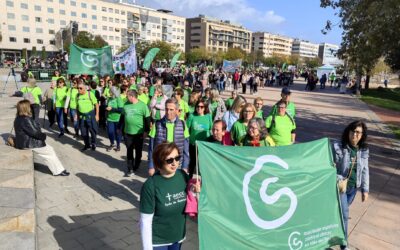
{"points": [[136, 127], [351, 159], [70, 104], [114, 109], [60, 96]]}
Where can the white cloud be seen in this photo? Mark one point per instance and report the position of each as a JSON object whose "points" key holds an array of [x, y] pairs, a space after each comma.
{"points": [[236, 11]]}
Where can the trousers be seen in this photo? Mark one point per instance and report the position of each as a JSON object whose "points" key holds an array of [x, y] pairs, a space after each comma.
{"points": [[47, 156]]}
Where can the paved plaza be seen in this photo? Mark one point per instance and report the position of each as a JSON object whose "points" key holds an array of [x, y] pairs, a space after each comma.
{"points": [[97, 208]]}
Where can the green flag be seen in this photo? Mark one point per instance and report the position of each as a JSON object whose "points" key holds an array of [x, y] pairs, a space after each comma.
{"points": [[269, 197], [150, 57], [90, 61], [284, 67], [175, 59]]}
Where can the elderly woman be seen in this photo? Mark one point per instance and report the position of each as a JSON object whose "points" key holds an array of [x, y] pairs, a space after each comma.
{"points": [[351, 158], [257, 134], [29, 135], [163, 201], [157, 103], [239, 128]]}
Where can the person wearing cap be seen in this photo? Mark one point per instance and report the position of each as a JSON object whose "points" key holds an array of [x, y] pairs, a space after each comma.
{"points": [[114, 110], [290, 107], [281, 126], [33, 92]]}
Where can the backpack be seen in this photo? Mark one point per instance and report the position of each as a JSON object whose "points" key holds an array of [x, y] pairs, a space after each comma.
{"points": [[29, 96], [274, 124]]}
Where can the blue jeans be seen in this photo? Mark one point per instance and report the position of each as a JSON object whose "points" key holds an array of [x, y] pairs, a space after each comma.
{"points": [[175, 246], [346, 199], [113, 134], [220, 86], [60, 118], [73, 113]]}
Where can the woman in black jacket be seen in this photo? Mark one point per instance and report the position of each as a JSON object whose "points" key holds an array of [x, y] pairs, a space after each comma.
{"points": [[29, 135]]}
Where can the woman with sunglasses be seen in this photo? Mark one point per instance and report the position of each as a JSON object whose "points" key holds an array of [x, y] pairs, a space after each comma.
{"points": [[199, 125], [351, 159], [163, 201]]}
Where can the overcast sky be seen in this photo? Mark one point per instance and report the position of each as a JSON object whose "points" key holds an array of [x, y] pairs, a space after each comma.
{"points": [[294, 18]]}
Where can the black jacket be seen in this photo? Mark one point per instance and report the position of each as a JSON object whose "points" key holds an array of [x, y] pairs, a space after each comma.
{"points": [[27, 133]]}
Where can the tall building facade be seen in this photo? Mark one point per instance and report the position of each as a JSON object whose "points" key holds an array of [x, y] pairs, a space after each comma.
{"points": [[28, 24], [272, 44], [216, 35], [305, 49], [328, 54]]}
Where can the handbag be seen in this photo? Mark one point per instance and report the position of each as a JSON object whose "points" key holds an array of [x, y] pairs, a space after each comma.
{"points": [[342, 184], [11, 139]]}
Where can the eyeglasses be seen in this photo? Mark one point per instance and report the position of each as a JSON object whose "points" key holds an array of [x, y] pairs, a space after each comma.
{"points": [[358, 133], [80, 88], [281, 107], [171, 160], [248, 111], [200, 106]]}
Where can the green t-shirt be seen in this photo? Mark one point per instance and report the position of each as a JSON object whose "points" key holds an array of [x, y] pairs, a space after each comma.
{"points": [[170, 131], [134, 117], [281, 129], [152, 89], [184, 107], [60, 95], [353, 176], [191, 109], [72, 93], [186, 94], [158, 113], [290, 109], [238, 130], [114, 103], [86, 102], [259, 114], [166, 199], [199, 127], [35, 91], [106, 92], [144, 98], [133, 87], [124, 98], [228, 103], [213, 109]]}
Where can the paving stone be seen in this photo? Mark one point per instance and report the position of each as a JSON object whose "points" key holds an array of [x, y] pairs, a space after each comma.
{"points": [[20, 198], [17, 220], [17, 240]]}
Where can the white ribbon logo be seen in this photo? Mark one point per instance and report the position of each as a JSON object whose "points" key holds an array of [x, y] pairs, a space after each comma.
{"points": [[270, 200], [293, 242], [89, 59]]}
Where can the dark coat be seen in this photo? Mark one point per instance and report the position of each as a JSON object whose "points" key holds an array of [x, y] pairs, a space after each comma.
{"points": [[27, 133]]}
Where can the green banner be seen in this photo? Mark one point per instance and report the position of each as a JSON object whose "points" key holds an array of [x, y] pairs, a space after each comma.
{"points": [[269, 197], [175, 59], [90, 61], [150, 57]]}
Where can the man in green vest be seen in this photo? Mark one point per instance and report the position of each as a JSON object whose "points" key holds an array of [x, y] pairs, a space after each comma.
{"points": [[88, 113]]}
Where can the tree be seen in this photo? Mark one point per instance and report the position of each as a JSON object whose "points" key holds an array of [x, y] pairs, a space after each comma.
{"points": [[25, 54], [197, 55], [122, 49], [34, 52], [43, 54], [234, 54], [312, 62], [87, 40], [167, 51], [294, 60]]}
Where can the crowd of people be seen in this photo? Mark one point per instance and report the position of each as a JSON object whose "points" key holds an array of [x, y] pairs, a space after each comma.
{"points": [[174, 112]]}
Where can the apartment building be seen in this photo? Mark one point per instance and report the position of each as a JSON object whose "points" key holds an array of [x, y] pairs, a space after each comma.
{"points": [[328, 54], [272, 44], [216, 35], [305, 49], [28, 24]]}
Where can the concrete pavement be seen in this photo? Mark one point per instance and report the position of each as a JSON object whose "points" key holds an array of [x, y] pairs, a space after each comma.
{"points": [[97, 208]]}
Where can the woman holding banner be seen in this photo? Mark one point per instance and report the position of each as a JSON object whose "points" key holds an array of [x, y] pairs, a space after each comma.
{"points": [[351, 159]]}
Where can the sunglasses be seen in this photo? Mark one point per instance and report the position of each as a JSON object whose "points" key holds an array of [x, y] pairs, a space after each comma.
{"points": [[200, 107], [171, 160]]}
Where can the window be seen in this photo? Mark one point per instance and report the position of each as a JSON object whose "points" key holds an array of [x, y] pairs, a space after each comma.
{"points": [[110, 10], [174, 21], [73, 13], [62, 12], [104, 9], [52, 42], [84, 15], [84, 25], [116, 11], [123, 21], [50, 10], [122, 12], [117, 38], [94, 17], [50, 20], [25, 18], [110, 29], [52, 32], [27, 40], [39, 41], [111, 38], [38, 8], [24, 6], [25, 29], [39, 30], [61, 1], [104, 27], [116, 20], [84, 5], [11, 27], [104, 37], [10, 15], [173, 29], [110, 19], [50, 1], [63, 22], [10, 3], [73, 3], [13, 39], [94, 7], [38, 19], [94, 26]]}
